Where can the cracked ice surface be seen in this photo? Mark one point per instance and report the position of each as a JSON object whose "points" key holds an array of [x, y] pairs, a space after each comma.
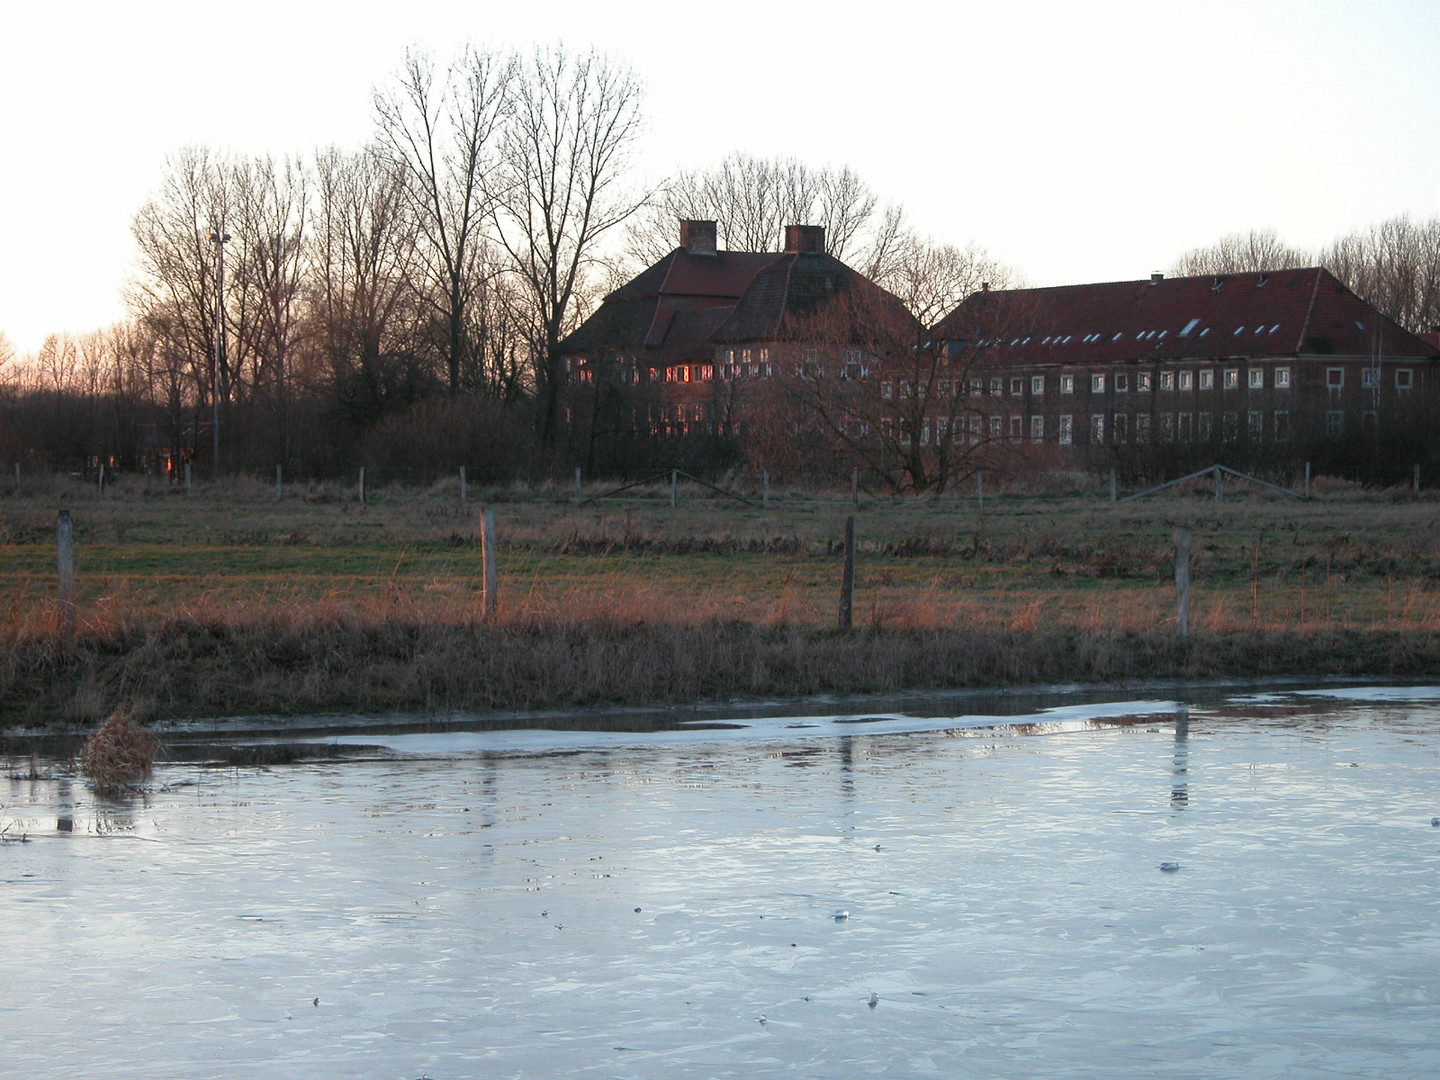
{"points": [[466, 907]]}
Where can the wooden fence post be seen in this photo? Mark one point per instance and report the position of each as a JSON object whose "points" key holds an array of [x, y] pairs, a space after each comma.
{"points": [[490, 572], [674, 486], [464, 492], [362, 485], [1182, 581], [65, 550], [980, 489], [1307, 479], [102, 478], [187, 478], [577, 483], [764, 480], [1219, 485], [1113, 491], [279, 483], [1417, 479], [847, 578]]}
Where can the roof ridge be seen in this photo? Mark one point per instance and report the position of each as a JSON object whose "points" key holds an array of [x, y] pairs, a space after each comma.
{"points": [[1309, 310]]}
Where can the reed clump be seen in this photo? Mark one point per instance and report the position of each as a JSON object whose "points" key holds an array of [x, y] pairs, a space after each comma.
{"points": [[120, 756]]}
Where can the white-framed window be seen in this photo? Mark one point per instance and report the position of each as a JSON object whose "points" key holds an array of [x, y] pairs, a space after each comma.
{"points": [[1404, 378], [1121, 427], [1097, 384], [1037, 428], [1370, 378], [1167, 380], [995, 427], [1167, 427], [1207, 380], [1282, 378], [1142, 428], [977, 387], [1232, 378], [1204, 426], [1335, 378], [1017, 427], [1066, 430], [1257, 378], [1255, 426], [1185, 426], [1334, 424], [1122, 384], [1067, 384], [1187, 380], [997, 386], [1017, 387], [1142, 382], [1037, 384], [1097, 429], [1282, 425], [1231, 428]]}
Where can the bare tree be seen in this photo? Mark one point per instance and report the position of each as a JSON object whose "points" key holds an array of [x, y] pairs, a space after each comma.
{"points": [[174, 296], [364, 313], [752, 199], [559, 192], [442, 128], [1396, 266], [270, 219], [1242, 253]]}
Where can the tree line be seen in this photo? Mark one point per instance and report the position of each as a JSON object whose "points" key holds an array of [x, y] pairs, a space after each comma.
{"points": [[400, 304]]}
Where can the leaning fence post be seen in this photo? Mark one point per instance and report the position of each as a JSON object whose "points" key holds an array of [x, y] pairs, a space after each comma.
{"points": [[362, 485], [490, 573], [65, 550], [102, 478], [1182, 581], [847, 578]]}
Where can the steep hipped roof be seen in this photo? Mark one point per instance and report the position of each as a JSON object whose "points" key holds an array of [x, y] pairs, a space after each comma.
{"points": [[658, 313], [794, 288], [1282, 313]]}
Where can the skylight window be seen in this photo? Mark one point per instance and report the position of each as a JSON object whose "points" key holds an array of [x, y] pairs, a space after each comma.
{"points": [[1189, 326], [1045, 340], [1164, 332], [1359, 325], [1117, 337], [1205, 331], [1239, 330]]}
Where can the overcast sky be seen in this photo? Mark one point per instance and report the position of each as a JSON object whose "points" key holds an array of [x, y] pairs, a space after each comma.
{"points": [[1079, 142]]}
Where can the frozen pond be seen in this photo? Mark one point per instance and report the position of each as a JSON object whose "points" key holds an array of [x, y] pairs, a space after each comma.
{"points": [[664, 905]]}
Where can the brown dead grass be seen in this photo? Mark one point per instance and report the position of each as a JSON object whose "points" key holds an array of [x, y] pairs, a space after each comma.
{"points": [[119, 756]]}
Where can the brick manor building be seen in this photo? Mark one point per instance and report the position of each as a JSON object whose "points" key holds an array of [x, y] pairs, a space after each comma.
{"points": [[1265, 360]]}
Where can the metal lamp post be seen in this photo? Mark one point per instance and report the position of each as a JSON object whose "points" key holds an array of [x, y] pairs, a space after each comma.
{"points": [[219, 239]]}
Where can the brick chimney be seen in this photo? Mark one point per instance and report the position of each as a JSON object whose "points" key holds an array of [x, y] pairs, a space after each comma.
{"points": [[805, 239], [698, 237]]}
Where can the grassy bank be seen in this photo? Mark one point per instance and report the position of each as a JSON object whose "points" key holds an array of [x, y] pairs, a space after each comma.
{"points": [[227, 602]]}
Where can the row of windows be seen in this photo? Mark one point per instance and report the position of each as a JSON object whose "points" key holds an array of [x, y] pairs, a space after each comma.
{"points": [[1118, 429]]}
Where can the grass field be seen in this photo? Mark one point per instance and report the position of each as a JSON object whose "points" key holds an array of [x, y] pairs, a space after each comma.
{"points": [[227, 601]]}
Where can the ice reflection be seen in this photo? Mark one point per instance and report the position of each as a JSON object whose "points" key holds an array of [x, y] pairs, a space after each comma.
{"points": [[1180, 767], [534, 908]]}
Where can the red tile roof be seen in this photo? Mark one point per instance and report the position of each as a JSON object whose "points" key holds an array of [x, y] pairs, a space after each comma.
{"points": [[1282, 313]]}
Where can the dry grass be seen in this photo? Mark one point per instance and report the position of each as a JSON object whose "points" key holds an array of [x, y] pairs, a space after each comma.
{"points": [[228, 603], [119, 756]]}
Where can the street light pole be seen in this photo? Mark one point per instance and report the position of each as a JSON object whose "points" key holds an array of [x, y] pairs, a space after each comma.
{"points": [[219, 239]]}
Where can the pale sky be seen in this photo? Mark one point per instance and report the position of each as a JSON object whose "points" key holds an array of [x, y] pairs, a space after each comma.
{"points": [[1077, 141]]}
